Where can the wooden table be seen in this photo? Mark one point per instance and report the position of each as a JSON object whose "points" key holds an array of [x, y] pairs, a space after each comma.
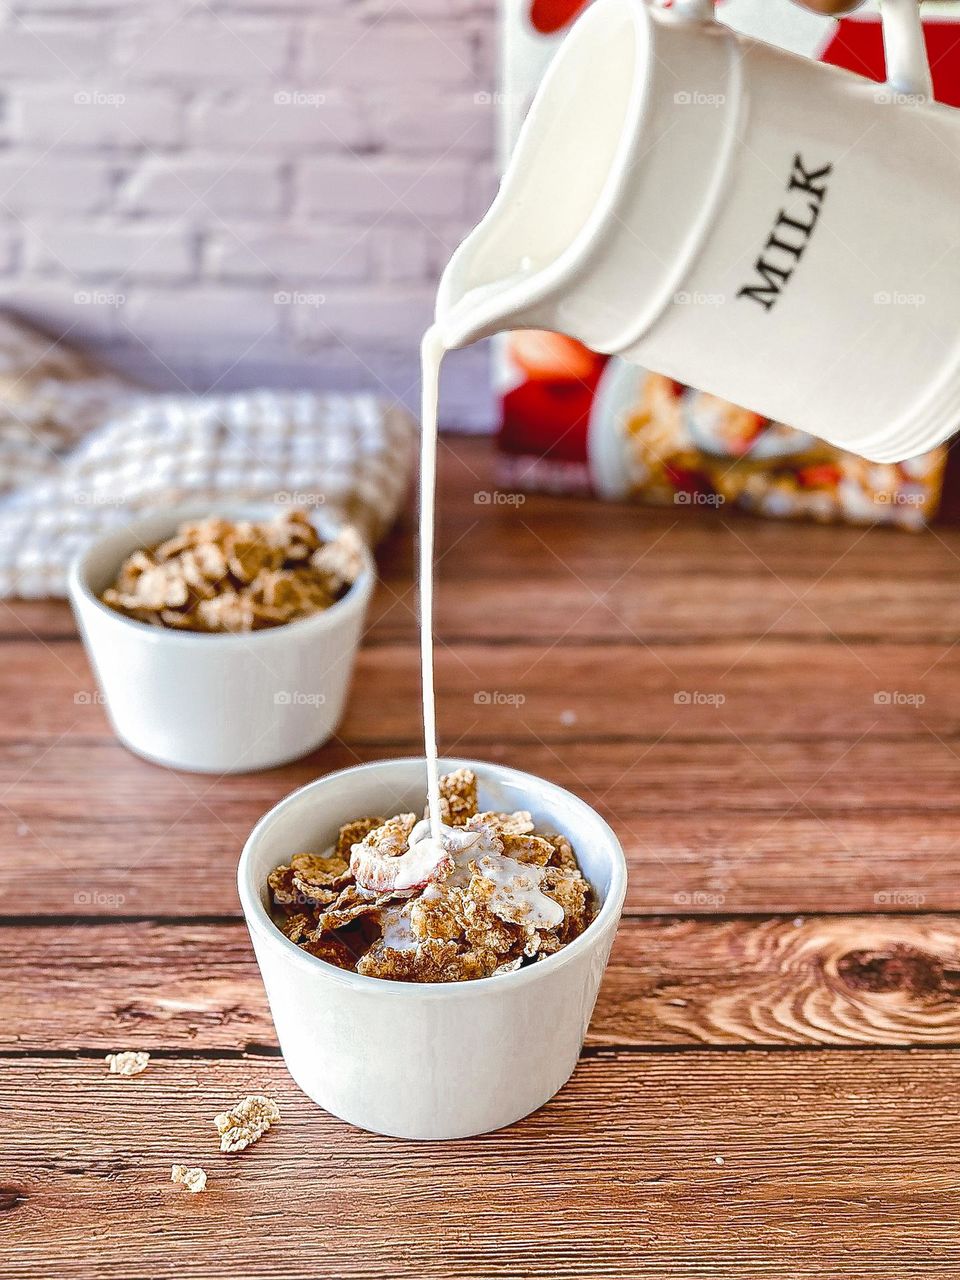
{"points": [[769, 717]]}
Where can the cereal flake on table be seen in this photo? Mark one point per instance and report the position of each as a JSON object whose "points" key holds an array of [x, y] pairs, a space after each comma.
{"points": [[131, 1062], [237, 576], [386, 903], [193, 1179], [246, 1122]]}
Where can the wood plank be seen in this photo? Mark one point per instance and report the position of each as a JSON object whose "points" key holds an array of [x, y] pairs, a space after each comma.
{"points": [[101, 781], [564, 536], [586, 536], [536, 601], [698, 1164], [36, 619], [847, 980], [663, 607], [123, 985], [840, 980], [735, 827], [510, 692], [755, 688]]}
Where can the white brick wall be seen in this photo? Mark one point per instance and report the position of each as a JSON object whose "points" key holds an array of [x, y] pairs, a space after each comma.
{"points": [[222, 193]]}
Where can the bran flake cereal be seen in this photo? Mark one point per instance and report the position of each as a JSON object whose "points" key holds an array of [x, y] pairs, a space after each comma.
{"points": [[236, 576], [247, 1122], [131, 1062], [489, 897], [193, 1179]]}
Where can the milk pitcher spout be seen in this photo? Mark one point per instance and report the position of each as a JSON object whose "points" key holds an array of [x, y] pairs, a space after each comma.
{"points": [[774, 231], [549, 254]]}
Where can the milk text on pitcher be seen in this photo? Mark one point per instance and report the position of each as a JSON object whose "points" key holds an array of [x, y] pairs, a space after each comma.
{"points": [[789, 236]]}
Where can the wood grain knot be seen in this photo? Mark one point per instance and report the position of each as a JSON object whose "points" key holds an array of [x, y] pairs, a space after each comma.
{"points": [[896, 968], [11, 1197]]}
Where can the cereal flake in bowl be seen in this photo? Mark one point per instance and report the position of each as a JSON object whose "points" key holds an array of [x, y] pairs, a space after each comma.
{"points": [[216, 574], [494, 896]]}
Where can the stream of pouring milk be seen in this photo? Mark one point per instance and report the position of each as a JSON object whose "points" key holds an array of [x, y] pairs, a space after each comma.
{"points": [[515, 884], [432, 350]]}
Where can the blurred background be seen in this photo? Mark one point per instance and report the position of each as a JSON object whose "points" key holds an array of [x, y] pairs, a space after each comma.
{"points": [[241, 193], [246, 192]]}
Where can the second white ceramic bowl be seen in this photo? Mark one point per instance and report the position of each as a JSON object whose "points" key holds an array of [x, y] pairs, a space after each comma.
{"points": [[429, 1061], [215, 703]]}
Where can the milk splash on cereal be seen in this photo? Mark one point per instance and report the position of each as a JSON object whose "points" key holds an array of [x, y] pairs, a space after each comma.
{"points": [[390, 901]]}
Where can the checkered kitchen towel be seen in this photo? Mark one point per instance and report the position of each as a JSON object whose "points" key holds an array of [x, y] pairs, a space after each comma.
{"points": [[81, 451]]}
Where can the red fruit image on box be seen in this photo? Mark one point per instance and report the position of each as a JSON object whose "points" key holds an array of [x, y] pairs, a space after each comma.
{"points": [[548, 410], [547, 16]]}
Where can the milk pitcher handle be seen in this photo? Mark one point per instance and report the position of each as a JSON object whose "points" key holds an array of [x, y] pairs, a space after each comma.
{"points": [[908, 70]]}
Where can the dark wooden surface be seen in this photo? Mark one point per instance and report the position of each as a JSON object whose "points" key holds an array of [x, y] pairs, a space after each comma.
{"points": [[770, 717]]}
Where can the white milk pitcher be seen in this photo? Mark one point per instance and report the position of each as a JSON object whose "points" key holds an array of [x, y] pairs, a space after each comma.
{"points": [[783, 234]]}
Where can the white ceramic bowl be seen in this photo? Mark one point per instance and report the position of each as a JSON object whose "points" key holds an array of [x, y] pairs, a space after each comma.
{"points": [[417, 1060], [215, 703]]}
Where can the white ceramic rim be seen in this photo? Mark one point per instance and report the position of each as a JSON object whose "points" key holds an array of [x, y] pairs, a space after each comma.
{"points": [[259, 921], [79, 586]]}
